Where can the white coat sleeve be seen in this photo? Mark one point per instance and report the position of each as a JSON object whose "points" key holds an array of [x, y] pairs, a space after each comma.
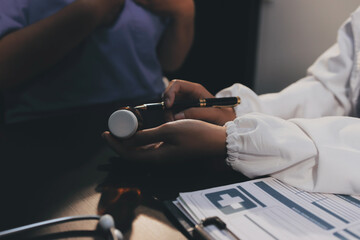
{"points": [[301, 135], [324, 91], [321, 155]]}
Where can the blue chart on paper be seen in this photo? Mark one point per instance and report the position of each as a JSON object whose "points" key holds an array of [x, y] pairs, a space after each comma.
{"points": [[293, 206], [230, 201]]}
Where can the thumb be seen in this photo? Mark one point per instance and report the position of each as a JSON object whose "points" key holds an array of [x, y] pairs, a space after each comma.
{"points": [[148, 136]]}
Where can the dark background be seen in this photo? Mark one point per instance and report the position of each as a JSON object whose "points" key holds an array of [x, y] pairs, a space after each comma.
{"points": [[225, 43]]}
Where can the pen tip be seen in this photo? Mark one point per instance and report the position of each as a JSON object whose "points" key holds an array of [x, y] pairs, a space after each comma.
{"points": [[140, 107]]}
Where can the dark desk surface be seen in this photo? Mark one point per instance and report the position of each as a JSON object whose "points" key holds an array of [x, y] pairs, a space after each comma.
{"points": [[50, 169]]}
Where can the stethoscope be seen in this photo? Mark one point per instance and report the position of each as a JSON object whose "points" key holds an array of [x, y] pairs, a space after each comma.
{"points": [[106, 226]]}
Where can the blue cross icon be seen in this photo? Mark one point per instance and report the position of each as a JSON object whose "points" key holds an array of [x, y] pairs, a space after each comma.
{"points": [[230, 201]]}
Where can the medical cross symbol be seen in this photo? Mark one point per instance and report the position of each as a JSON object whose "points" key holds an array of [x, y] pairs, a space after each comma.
{"points": [[230, 201], [227, 200]]}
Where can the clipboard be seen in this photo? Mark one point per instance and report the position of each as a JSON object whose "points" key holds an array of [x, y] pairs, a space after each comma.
{"points": [[264, 208], [196, 231]]}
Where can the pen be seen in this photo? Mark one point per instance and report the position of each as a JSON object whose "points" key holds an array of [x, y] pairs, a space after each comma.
{"points": [[203, 102]]}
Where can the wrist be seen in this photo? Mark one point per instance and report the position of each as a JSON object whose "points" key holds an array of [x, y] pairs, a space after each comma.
{"points": [[225, 115], [232, 114], [219, 146]]}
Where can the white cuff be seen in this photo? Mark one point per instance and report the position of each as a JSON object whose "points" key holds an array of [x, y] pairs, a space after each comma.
{"points": [[259, 144]]}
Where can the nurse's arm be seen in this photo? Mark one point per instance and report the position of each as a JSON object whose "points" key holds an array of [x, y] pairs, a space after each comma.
{"points": [[178, 36], [33, 49]]}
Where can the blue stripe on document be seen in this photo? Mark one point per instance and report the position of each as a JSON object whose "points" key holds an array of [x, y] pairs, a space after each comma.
{"points": [[293, 206], [251, 196], [350, 199], [339, 236], [330, 212], [352, 234]]}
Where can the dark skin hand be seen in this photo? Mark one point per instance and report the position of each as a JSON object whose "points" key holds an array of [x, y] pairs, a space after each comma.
{"points": [[186, 140], [180, 89], [177, 142]]}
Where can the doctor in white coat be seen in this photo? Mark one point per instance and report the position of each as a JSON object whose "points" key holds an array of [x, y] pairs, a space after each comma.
{"points": [[307, 135]]}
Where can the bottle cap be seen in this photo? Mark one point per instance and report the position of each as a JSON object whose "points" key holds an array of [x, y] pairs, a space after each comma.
{"points": [[123, 123]]}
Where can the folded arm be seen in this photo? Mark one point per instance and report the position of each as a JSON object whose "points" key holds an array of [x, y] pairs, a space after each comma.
{"points": [[31, 50], [178, 36]]}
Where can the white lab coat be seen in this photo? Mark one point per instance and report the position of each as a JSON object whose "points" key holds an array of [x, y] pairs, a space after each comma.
{"points": [[307, 135]]}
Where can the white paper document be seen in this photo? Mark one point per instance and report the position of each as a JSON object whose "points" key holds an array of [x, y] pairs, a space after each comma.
{"points": [[269, 209]]}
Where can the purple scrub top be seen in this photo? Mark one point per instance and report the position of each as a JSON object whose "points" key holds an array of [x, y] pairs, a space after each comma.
{"points": [[114, 63]]}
